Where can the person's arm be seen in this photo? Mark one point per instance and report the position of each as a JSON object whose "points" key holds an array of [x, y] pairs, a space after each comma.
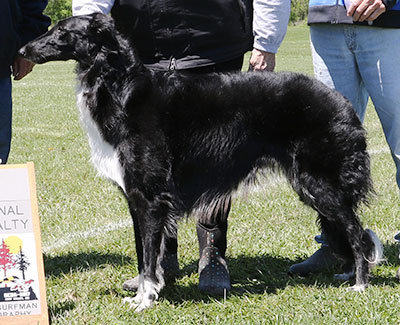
{"points": [[270, 21], [86, 7], [33, 24]]}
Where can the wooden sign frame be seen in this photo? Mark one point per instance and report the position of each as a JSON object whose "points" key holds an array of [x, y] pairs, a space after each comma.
{"points": [[22, 281]]}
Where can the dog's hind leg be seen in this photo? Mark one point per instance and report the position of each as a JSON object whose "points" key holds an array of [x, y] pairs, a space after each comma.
{"points": [[351, 243], [340, 224], [149, 218]]}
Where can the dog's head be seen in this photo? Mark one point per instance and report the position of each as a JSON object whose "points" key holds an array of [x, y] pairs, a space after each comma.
{"points": [[76, 38]]}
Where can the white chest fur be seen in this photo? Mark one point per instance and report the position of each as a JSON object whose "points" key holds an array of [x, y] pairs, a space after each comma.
{"points": [[103, 155]]}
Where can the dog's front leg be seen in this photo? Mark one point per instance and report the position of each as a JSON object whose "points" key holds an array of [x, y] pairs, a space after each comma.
{"points": [[149, 219]]}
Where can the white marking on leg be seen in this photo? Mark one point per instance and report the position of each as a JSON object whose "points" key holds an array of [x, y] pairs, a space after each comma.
{"points": [[146, 296], [139, 296], [357, 288], [150, 295]]}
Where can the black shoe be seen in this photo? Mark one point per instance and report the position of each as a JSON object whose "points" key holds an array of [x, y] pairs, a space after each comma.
{"points": [[397, 239], [170, 266], [213, 270], [323, 259]]}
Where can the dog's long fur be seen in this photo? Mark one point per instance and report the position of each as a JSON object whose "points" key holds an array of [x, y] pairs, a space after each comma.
{"points": [[176, 142]]}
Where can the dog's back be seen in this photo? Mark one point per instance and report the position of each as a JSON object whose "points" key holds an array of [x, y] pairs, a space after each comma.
{"points": [[237, 123]]}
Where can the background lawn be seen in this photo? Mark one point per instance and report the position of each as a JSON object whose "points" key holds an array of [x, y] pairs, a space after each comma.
{"points": [[89, 243]]}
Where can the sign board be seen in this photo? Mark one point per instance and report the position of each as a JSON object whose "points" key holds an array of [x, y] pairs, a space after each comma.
{"points": [[22, 282]]}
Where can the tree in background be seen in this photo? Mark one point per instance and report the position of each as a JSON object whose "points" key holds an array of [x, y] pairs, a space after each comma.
{"points": [[58, 9], [299, 10]]}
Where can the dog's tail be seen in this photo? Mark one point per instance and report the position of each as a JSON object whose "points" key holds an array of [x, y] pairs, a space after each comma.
{"points": [[376, 256]]}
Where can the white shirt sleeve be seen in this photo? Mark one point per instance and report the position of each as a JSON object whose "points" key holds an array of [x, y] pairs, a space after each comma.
{"points": [[86, 7], [270, 21]]}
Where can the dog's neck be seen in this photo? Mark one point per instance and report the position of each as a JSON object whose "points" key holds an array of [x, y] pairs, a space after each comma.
{"points": [[115, 53], [115, 66]]}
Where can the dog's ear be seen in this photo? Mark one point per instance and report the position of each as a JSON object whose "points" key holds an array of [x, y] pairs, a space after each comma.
{"points": [[103, 28]]}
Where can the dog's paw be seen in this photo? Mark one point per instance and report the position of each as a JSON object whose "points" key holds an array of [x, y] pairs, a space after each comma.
{"points": [[138, 304], [357, 288], [146, 296], [344, 276], [145, 304], [131, 302]]}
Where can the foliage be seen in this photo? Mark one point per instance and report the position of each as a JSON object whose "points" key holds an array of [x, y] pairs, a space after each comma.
{"points": [[299, 10], [58, 9]]}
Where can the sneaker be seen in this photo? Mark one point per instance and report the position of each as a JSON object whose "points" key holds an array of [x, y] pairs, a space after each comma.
{"points": [[397, 239], [323, 259]]}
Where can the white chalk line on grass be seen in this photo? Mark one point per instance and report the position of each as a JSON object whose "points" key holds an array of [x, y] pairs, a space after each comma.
{"points": [[378, 151], [113, 226], [95, 232]]}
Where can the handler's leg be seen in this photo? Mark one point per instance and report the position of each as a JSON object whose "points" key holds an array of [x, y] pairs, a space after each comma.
{"points": [[335, 65], [381, 72], [5, 118], [213, 269]]}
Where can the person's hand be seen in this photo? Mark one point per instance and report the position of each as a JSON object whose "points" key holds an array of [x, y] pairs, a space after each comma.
{"points": [[261, 60], [21, 67], [366, 10]]}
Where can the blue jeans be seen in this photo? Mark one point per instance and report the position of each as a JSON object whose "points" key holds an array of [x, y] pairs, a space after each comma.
{"points": [[362, 62], [5, 118]]}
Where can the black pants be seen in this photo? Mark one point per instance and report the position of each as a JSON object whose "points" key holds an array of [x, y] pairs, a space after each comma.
{"points": [[221, 217]]}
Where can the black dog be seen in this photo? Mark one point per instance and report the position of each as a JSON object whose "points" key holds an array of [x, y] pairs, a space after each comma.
{"points": [[177, 143]]}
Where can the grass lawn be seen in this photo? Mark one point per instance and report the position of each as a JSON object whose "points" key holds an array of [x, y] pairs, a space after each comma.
{"points": [[89, 243]]}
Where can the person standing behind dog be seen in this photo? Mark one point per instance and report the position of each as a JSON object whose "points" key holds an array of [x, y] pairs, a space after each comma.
{"points": [[20, 22], [355, 48], [199, 37]]}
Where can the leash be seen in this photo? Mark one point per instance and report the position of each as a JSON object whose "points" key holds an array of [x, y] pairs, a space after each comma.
{"points": [[172, 64]]}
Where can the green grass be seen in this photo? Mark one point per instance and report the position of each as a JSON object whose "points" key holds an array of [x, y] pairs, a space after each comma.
{"points": [[89, 243]]}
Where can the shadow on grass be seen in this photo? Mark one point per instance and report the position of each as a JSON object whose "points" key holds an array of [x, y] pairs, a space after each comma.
{"points": [[63, 264], [391, 253], [265, 274], [58, 265], [60, 308]]}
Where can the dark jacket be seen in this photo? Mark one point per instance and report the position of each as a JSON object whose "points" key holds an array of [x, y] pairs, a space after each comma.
{"points": [[334, 12], [204, 32], [20, 22]]}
